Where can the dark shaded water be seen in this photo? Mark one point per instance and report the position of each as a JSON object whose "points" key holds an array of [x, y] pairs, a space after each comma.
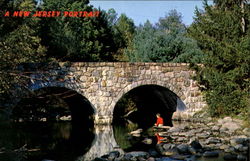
{"points": [[59, 141], [43, 140]]}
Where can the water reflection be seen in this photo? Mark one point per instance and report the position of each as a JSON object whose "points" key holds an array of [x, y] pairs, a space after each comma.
{"points": [[103, 144], [44, 140], [61, 141]]}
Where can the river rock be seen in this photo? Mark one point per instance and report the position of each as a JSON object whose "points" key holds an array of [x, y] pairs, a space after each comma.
{"points": [[114, 154], [203, 135], [136, 133], [183, 148], [213, 140], [181, 139], [167, 149], [236, 141], [211, 154], [136, 154], [147, 141], [231, 126], [242, 158], [215, 128], [230, 157], [179, 157], [168, 146], [191, 150], [170, 152], [153, 153], [151, 159], [223, 129], [239, 147], [230, 150], [222, 147], [196, 145], [246, 131], [174, 129]]}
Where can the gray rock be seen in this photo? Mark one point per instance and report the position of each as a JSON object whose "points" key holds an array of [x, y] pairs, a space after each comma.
{"points": [[174, 129], [236, 141], [153, 153], [242, 158], [191, 150], [222, 147], [196, 145], [246, 131], [211, 154], [215, 128], [230, 149], [230, 157], [151, 159], [179, 157], [168, 146], [203, 135], [147, 141], [228, 119], [170, 152], [223, 129], [239, 147], [231, 126], [183, 148], [213, 141], [181, 139], [113, 155], [135, 154]]}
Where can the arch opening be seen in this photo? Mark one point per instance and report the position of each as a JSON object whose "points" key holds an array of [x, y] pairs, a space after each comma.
{"points": [[141, 104], [61, 121]]}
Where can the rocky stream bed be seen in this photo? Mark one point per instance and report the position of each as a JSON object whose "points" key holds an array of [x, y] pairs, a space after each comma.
{"points": [[223, 139]]}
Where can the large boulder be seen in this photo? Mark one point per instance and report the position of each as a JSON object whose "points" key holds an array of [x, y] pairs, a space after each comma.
{"points": [[183, 149]]}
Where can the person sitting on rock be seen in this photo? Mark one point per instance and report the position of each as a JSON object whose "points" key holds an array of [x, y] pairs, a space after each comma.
{"points": [[159, 121]]}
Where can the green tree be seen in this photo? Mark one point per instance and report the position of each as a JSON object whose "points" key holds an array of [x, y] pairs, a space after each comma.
{"points": [[18, 44], [165, 42], [223, 33], [124, 30], [76, 38]]}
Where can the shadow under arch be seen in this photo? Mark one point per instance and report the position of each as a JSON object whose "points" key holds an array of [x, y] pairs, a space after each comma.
{"points": [[148, 100], [81, 131]]}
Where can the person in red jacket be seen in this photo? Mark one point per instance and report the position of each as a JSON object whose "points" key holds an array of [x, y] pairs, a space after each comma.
{"points": [[159, 121]]}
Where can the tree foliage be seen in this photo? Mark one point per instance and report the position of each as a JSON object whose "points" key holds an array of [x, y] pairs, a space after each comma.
{"points": [[165, 42], [19, 43], [225, 40], [123, 29], [76, 38]]}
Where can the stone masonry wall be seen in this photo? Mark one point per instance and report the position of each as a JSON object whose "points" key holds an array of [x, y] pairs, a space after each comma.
{"points": [[104, 83]]}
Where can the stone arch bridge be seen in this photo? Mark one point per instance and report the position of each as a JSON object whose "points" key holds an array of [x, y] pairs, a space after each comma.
{"points": [[104, 83]]}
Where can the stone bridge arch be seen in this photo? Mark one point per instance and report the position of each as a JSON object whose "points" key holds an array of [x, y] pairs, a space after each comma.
{"points": [[104, 83], [143, 83], [72, 85]]}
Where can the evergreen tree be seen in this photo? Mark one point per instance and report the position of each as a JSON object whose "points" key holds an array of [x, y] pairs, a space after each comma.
{"points": [[225, 40], [165, 42], [124, 30]]}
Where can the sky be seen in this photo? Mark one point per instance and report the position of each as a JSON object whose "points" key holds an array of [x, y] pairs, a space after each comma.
{"points": [[141, 11]]}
